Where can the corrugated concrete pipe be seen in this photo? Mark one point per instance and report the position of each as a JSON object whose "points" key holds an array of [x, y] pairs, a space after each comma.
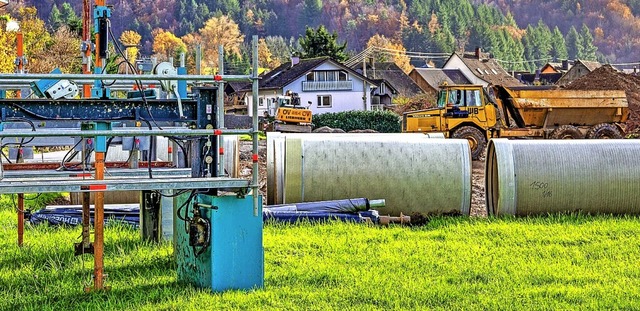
{"points": [[531, 177], [413, 173]]}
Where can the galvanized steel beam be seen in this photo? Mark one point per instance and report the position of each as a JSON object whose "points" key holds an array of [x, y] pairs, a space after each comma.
{"points": [[66, 185]]}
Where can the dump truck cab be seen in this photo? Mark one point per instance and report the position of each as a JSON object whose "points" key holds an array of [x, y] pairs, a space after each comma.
{"points": [[462, 111]]}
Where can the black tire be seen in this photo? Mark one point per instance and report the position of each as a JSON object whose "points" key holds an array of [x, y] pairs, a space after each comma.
{"points": [[604, 131], [477, 140], [566, 132]]}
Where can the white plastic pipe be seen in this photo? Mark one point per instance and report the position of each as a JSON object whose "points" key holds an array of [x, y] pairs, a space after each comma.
{"points": [[531, 177]]}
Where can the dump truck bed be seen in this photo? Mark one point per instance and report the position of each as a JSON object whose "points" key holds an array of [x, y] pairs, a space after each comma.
{"points": [[543, 108]]}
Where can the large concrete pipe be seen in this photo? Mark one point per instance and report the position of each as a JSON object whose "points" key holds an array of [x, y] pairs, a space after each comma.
{"points": [[413, 173], [529, 177]]}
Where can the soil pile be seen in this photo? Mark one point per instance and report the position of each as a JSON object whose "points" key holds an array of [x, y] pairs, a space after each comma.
{"points": [[607, 78]]}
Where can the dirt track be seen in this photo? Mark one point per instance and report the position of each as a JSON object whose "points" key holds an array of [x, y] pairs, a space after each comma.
{"points": [[478, 207]]}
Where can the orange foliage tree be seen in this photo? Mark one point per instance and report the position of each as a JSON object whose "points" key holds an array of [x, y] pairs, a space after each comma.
{"points": [[390, 50]]}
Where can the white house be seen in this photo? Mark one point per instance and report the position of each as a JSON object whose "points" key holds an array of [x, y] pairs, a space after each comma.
{"points": [[480, 69], [324, 85]]}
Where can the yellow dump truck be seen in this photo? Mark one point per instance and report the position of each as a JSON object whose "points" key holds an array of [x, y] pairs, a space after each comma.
{"points": [[477, 114]]}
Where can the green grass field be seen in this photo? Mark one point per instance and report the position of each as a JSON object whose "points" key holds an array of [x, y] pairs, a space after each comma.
{"points": [[549, 263]]}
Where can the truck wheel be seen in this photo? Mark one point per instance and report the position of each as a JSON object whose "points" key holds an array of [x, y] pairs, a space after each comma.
{"points": [[604, 130], [566, 132], [477, 140]]}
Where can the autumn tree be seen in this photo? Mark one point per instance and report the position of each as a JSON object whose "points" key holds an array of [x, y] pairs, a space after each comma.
{"points": [[36, 40], [319, 42], [131, 39], [390, 50], [193, 42], [265, 57], [167, 45], [219, 30], [61, 52]]}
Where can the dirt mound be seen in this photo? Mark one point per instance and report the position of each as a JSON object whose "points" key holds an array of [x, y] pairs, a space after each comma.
{"points": [[607, 78]]}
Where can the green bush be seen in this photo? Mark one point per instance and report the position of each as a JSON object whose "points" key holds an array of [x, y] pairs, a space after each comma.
{"points": [[381, 121]]}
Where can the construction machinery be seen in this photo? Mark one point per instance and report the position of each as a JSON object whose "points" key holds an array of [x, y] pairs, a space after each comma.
{"points": [[290, 116], [476, 113]]}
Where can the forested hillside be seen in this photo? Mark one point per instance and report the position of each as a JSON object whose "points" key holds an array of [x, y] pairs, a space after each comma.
{"points": [[614, 23], [522, 34]]}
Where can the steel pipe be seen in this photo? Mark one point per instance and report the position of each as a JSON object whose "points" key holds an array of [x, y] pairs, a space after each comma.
{"points": [[533, 177], [413, 173]]}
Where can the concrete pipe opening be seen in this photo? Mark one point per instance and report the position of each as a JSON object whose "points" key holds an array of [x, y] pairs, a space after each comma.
{"points": [[412, 172], [535, 177]]}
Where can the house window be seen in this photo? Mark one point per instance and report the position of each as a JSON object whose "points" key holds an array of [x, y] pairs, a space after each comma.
{"points": [[321, 76], [382, 88], [324, 101], [342, 76], [327, 75], [260, 101]]}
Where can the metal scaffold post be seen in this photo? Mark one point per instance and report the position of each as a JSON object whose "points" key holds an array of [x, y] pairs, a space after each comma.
{"points": [[254, 90]]}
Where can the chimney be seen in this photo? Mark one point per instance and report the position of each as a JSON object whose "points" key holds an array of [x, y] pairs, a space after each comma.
{"points": [[565, 64], [478, 52], [295, 60]]}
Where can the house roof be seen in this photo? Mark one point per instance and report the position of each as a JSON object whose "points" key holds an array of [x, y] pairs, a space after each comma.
{"points": [[487, 69], [591, 66], [394, 77], [389, 85], [436, 76], [233, 87], [555, 66], [286, 73]]}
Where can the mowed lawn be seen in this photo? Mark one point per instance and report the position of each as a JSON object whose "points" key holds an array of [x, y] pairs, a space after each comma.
{"points": [[548, 263]]}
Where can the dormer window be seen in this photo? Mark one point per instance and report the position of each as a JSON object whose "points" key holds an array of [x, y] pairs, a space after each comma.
{"points": [[327, 75], [342, 76]]}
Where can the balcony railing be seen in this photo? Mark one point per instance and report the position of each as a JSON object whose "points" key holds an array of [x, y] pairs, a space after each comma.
{"points": [[308, 86]]}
